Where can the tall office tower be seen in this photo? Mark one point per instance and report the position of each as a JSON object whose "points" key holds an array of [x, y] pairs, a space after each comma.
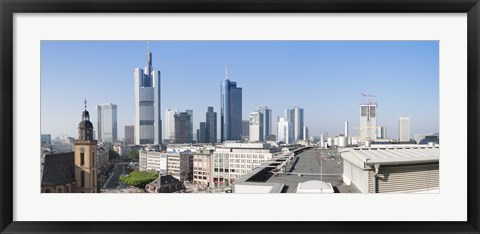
{"points": [[256, 126], [284, 131], [295, 118], [182, 128], [106, 122], [202, 133], [245, 129], [129, 134], [267, 121], [170, 124], [381, 132], [305, 133], [231, 110], [404, 129], [190, 112], [85, 156], [211, 126], [148, 122], [368, 121]]}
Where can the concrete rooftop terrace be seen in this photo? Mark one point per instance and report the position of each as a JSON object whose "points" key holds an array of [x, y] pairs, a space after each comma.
{"points": [[314, 164]]}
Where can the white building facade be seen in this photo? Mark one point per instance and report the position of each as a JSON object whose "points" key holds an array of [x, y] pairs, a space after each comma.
{"points": [[106, 122], [233, 160], [170, 124], [256, 127], [404, 128]]}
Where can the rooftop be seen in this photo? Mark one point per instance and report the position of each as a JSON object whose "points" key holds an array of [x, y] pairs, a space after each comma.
{"points": [[391, 154]]}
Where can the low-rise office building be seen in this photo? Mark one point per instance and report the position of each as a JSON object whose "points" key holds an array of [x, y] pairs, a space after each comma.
{"points": [[233, 160], [202, 167]]}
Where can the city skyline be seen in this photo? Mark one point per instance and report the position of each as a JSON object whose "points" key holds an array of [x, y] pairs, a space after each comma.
{"points": [[323, 78]]}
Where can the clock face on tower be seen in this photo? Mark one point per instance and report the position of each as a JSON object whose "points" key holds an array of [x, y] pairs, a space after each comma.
{"points": [[82, 149]]}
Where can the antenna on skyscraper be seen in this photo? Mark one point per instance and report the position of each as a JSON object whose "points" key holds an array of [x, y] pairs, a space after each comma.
{"points": [[148, 46], [226, 72]]}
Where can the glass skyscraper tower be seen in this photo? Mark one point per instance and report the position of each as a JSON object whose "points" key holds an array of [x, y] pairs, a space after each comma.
{"points": [[231, 110], [107, 122], [148, 123]]}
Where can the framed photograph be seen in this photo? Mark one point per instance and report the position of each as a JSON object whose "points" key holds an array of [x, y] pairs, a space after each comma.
{"points": [[239, 117]]}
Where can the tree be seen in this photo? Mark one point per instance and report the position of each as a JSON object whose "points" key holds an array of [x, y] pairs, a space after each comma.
{"points": [[133, 155], [139, 178]]}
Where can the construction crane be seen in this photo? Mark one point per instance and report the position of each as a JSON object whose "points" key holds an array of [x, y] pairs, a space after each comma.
{"points": [[369, 104]]}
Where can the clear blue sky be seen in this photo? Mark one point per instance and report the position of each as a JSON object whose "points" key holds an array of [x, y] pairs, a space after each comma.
{"points": [[323, 77]]}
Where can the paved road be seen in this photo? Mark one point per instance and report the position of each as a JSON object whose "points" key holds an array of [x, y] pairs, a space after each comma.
{"points": [[113, 183]]}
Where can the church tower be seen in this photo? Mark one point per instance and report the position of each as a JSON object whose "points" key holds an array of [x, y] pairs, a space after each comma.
{"points": [[85, 156]]}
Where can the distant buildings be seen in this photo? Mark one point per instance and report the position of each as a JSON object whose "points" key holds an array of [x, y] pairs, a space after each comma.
{"points": [[231, 110], [202, 133], [256, 126], [129, 135], [381, 132], [423, 139], [190, 112], [368, 122], [306, 134], [148, 123], [46, 138], [210, 126], [245, 129], [107, 122], [295, 118], [404, 129], [267, 121], [182, 128], [284, 131], [170, 124]]}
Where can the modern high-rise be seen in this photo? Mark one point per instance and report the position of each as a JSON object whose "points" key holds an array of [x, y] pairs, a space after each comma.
{"points": [[211, 126], [295, 118], [256, 126], [284, 131], [306, 134], [170, 124], [267, 121], [190, 112], [148, 123], [231, 110], [129, 134], [106, 122], [368, 122], [182, 128], [404, 128], [202, 133], [381, 132], [245, 129]]}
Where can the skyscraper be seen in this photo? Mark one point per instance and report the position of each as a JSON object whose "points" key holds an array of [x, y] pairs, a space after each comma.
{"points": [[202, 134], [231, 110], [190, 112], [107, 122], [267, 121], [182, 128], [170, 124], [211, 126], [284, 131], [256, 126], [245, 129], [295, 118], [404, 134], [148, 123], [129, 134], [368, 121]]}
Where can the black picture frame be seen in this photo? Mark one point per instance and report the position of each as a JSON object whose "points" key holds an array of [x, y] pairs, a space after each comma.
{"points": [[9, 7]]}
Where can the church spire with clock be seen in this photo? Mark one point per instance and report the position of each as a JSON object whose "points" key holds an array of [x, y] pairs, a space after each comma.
{"points": [[85, 156]]}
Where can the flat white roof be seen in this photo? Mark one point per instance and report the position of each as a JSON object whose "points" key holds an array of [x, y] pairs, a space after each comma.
{"points": [[314, 186], [391, 154]]}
